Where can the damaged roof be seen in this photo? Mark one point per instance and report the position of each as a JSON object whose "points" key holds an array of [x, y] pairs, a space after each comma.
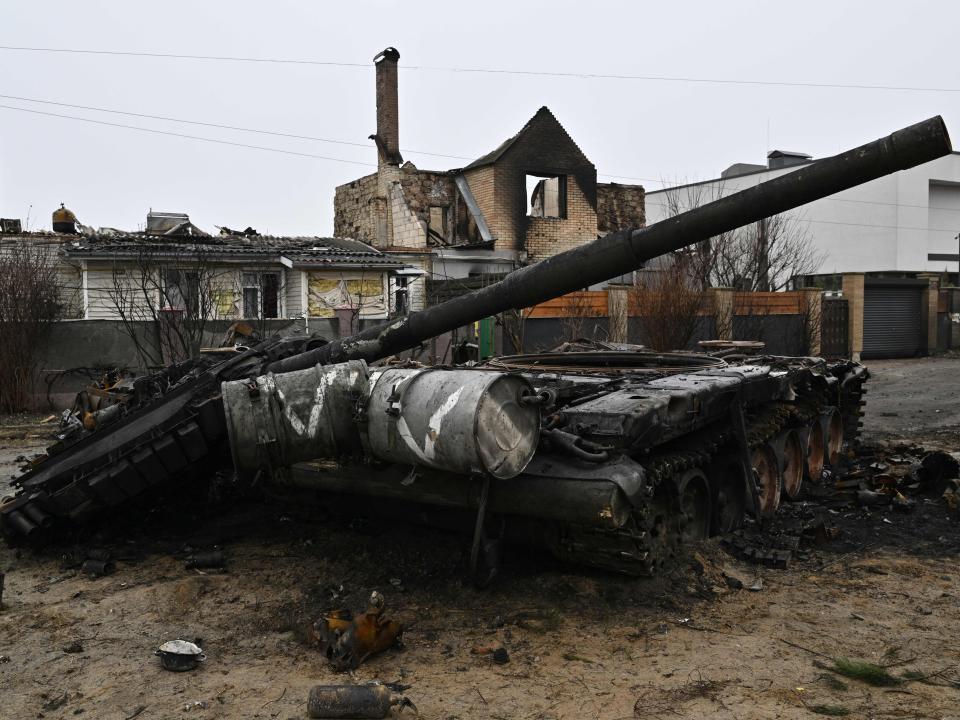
{"points": [[299, 250], [494, 155]]}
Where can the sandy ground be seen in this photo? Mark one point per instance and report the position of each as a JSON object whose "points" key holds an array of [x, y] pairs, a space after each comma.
{"points": [[581, 643]]}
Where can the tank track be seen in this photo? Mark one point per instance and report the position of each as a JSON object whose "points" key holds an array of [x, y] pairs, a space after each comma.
{"points": [[635, 549]]}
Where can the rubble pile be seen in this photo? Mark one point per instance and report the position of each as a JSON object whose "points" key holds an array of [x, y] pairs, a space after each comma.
{"points": [[886, 479]]}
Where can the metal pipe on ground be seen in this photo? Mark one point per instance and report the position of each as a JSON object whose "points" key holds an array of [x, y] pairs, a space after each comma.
{"points": [[627, 250]]}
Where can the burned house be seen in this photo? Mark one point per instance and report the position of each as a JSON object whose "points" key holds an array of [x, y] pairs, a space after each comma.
{"points": [[533, 196]]}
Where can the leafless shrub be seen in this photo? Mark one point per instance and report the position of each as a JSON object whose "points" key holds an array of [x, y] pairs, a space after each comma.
{"points": [[668, 302], [29, 300], [751, 315], [165, 299], [576, 308], [514, 323]]}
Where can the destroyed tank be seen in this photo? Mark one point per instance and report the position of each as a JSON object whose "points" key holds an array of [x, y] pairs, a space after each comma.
{"points": [[614, 458]]}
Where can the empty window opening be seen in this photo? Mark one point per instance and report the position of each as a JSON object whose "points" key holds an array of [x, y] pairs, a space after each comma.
{"points": [[546, 195], [401, 295], [261, 295], [438, 225]]}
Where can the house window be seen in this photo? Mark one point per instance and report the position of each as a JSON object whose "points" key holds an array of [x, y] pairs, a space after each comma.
{"points": [[546, 195], [261, 295], [181, 290]]}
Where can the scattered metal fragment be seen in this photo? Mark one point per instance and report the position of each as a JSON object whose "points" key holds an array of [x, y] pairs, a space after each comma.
{"points": [[347, 641], [94, 568], [355, 701]]}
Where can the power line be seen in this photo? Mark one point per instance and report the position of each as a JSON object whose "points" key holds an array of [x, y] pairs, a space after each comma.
{"points": [[189, 137], [167, 118], [491, 71], [341, 142], [232, 127]]}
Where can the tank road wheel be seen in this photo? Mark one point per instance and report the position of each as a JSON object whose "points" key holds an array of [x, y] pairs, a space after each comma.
{"points": [[816, 452], [834, 437], [694, 517], [766, 468], [731, 499], [792, 464]]}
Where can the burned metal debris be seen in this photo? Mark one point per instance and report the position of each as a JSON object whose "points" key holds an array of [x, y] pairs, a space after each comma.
{"points": [[347, 640], [373, 700]]}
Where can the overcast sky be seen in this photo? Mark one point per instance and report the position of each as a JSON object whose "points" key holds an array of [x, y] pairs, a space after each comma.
{"points": [[649, 129]]}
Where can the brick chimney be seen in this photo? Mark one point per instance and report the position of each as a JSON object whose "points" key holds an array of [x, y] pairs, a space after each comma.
{"points": [[388, 116]]}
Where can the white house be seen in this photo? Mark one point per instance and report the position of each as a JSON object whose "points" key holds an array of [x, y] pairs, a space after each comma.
{"points": [[906, 222]]}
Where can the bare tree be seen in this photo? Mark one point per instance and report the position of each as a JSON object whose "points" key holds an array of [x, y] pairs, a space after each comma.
{"points": [[30, 300], [762, 256], [669, 302], [165, 299], [514, 324], [576, 309]]}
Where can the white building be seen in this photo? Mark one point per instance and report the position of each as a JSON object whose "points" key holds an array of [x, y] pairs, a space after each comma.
{"points": [[905, 222]]}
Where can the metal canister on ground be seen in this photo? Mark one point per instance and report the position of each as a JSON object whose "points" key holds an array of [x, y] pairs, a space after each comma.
{"points": [[354, 701], [208, 560]]}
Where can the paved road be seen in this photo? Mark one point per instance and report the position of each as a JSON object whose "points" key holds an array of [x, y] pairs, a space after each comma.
{"points": [[908, 397]]}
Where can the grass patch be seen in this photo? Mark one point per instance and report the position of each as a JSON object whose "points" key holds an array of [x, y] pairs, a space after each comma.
{"points": [[865, 672], [831, 710]]}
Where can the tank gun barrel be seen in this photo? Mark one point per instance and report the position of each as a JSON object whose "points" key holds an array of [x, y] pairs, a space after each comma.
{"points": [[627, 250]]}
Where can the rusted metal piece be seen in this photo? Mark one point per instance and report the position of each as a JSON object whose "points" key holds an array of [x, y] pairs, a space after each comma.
{"points": [[766, 466], [791, 462], [355, 701], [833, 436], [816, 451], [347, 641]]}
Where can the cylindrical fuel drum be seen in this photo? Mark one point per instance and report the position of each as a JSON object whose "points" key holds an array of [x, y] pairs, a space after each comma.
{"points": [[350, 701], [277, 420], [464, 421]]}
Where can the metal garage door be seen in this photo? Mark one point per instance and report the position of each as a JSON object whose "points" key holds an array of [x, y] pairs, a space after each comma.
{"points": [[891, 322]]}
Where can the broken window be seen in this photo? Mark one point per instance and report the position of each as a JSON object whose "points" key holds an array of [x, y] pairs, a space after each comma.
{"points": [[181, 290], [546, 195], [261, 295]]}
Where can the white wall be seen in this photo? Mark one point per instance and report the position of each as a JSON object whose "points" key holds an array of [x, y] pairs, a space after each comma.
{"points": [[887, 224]]}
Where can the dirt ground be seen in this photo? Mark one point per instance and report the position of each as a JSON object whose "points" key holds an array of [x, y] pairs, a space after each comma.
{"points": [[581, 643]]}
